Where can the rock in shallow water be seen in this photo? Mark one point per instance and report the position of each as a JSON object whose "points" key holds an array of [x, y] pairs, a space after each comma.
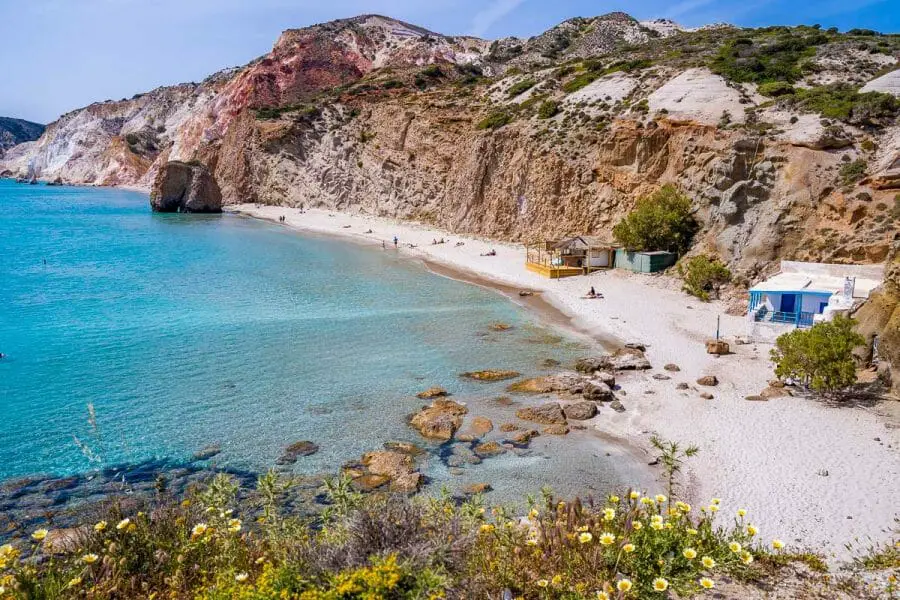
{"points": [[546, 414], [440, 420], [185, 187], [580, 411]]}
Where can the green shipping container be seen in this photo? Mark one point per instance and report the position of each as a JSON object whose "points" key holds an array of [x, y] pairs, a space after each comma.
{"points": [[644, 262]]}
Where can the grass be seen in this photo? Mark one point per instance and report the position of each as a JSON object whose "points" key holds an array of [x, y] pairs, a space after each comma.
{"points": [[216, 544], [520, 87], [276, 112], [495, 120]]}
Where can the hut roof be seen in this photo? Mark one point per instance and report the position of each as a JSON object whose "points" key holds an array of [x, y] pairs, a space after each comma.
{"points": [[581, 242]]}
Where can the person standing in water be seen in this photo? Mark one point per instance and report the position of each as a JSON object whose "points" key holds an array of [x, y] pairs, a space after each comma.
{"points": [[395, 241]]}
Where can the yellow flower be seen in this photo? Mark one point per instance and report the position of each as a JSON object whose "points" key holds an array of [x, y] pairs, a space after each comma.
{"points": [[742, 512], [234, 525], [614, 499], [582, 528], [646, 501], [777, 544], [746, 557], [660, 498], [624, 585], [689, 553], [657, 525], [708, 562], [487, 528], [90, 558], [123, 524], [683, 506], [39, 535], [585, 537], [531, 542], [74, 581], [634, 495], [713, 508], [752, 530], [241, 577], [706, 583], [669, 525], [533, 514], [660, 584], [656, 519], [735, 547], [637, 525], [628, 548], [542, 583], [6, 550], [557, 579], [716, 501], [609, 514], [602, 596], [691, 531], [199, 529], [607, 538], [100, 526]]}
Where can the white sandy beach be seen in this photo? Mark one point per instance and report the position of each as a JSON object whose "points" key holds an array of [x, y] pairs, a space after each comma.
{"points": [[813, 475]]}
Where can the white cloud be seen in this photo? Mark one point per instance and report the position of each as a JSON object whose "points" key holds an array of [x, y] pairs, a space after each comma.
{"points": [[496, 10]]}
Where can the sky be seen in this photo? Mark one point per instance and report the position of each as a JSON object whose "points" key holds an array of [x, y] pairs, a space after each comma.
{"points": [[58, 55]]}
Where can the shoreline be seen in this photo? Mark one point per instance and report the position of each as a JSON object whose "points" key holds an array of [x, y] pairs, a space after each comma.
{"points": [[815, 474]]}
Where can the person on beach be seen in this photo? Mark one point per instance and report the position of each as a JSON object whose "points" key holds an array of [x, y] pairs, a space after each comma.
{"points": [[383, 247], [592, 293], [395, 241]]}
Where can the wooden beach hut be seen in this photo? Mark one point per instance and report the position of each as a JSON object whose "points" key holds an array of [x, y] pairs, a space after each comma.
{"points": [[579, 255]]}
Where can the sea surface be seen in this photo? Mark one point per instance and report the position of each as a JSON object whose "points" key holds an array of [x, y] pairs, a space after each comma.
{"points": [[182, 331]]}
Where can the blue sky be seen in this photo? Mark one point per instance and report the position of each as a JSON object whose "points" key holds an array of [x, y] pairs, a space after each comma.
{"points": [[59, 55]]}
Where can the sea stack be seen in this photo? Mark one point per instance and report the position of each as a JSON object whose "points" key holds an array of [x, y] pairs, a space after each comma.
{"points": [[185, 187]]}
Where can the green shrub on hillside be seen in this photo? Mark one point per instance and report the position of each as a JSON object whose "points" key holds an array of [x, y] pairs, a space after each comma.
{"points": [[495, 120], [580, 81], [548, 109], [821, 357], [703, 275], [520, 87], [433, 71], [773, 89], [844, 102], [767, 59], [661, 221], [852, 172]]}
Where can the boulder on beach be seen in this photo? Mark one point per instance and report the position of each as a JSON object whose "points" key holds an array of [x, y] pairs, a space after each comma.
{"points": [[617, 406], [591, 364], [534, 385], [630, 359], [596, 391], [491, 375], [185, 187], [545, 414], [440, 420], [672, 367], [708, 380], [580, 411]]}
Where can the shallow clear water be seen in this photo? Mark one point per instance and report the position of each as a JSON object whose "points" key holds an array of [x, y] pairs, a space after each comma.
{"points": [[185, 331]]}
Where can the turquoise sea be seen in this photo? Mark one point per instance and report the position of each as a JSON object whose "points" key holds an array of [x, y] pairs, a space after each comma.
{"points": [[184, 331]]}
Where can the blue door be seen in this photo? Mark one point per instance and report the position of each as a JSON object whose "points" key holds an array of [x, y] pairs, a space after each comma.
{"points": [[788, 303]]}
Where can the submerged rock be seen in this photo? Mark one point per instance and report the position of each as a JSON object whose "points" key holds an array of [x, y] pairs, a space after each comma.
{"points": [[489, 449], [185, 187], [296, 450], [522, 437], [556, 429], [207, 452], [546, 414], [491, 375], [477, 488], [433, 392]]}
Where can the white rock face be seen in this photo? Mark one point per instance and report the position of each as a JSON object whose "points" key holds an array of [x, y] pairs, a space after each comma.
{"points": [[698, 95], [611, 89], [664, 27], [889, 83]]}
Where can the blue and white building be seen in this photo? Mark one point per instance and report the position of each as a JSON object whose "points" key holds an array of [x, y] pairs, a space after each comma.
{"points": [[805, 293]]}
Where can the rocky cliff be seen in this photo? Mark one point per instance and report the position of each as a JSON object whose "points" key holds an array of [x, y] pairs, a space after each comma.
{"points": [[17, 131], [786, 139]]}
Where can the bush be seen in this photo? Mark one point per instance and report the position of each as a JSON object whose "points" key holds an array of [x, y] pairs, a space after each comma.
{"points": [[214, 546], [548, 109], [582, 80], [520, 87], [773, 89], [843, 102], [660, 221], [702, 275], [852, 172], [746, 60], [495, 120], [432, 71], [821, 358]]}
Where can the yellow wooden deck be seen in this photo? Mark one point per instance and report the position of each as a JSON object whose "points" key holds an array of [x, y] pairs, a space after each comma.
{"points": [[553, 272]]}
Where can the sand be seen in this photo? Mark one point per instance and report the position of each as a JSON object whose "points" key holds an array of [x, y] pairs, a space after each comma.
{"points": [[810, 473]]}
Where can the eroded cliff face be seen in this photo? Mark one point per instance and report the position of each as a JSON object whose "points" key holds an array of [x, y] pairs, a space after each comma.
{"points": [[379, 116]]}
